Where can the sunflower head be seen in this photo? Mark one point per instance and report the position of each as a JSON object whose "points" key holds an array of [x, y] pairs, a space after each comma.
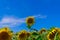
{"points": [[5, 34], [51, 35], [43, 30], [30, 21], [22, 35]]}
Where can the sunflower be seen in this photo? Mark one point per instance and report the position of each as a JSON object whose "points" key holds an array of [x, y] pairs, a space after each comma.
{"points": [[30, 21], [5, 34], [52, 34], [22, 35], [42, 30]]}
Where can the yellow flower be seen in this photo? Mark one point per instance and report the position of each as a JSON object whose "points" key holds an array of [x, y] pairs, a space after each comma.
{"points": [[51, 35], [5, 34], [22, 35], [42, 30], [30, 21]]}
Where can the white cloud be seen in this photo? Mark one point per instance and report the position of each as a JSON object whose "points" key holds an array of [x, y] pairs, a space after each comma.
{"points": [[13, 21], [40, 16]]}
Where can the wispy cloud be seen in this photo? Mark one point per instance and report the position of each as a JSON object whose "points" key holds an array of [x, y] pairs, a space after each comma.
{"points": [[40, 16], [13, 21]]}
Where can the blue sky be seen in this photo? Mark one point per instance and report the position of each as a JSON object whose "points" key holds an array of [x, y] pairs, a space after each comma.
{"points": [[12, 10]]}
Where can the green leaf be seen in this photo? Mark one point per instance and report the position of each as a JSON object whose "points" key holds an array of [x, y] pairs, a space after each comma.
{"points": [[39, 38], [34, 33]]}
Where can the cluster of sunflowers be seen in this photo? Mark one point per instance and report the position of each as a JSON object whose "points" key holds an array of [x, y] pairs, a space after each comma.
{"points": [[43, 34]]}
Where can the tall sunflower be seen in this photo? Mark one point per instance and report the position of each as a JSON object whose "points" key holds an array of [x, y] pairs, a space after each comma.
{"points": [[5, 34], [30, 21], [22, 35]]}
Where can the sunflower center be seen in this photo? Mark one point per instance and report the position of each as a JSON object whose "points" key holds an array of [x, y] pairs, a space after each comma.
{"points": [[4, 36], [30, 20]]}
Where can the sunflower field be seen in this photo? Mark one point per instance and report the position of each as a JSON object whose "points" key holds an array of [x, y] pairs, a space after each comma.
{"points": [[43, 34]]}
